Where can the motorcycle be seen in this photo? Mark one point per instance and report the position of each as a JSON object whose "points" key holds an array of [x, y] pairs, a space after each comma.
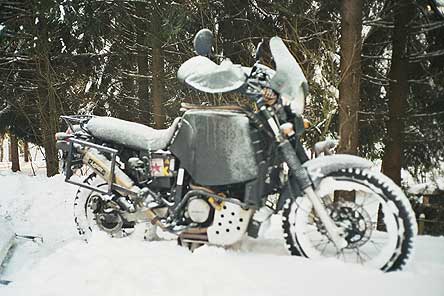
{"points": [[218, 173]]}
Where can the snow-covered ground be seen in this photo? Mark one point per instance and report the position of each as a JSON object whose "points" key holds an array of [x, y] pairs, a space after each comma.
{"points": [[65, 265], [36, 165]]}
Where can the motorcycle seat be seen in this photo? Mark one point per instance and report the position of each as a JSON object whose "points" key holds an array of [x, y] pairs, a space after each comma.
{"points": [[130, 134]]}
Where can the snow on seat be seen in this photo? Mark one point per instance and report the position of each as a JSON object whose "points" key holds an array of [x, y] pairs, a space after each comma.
{"points": [[131, 134]]}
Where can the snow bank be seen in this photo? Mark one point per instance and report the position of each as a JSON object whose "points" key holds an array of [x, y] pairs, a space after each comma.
{"points": [[6, 240], [427, 188], [37, 206], [131, 267], [65, 265]]}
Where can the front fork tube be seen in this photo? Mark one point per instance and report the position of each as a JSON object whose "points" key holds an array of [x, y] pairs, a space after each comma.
{"points": [[304, 182]]}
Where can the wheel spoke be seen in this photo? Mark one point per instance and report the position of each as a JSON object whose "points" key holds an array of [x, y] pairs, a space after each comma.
{"points": [[319, 240], [362, 256], [325, 247], [376, 244], [322, 243], [310, 231], [343, 255], [309, 212], [366, 204], [370, 223]]}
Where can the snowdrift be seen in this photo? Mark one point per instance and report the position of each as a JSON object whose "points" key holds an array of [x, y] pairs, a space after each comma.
{"points": [[66, 265]]}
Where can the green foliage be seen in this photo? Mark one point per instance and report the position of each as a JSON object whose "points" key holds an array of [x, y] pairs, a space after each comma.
{"points": [[424, 114]]}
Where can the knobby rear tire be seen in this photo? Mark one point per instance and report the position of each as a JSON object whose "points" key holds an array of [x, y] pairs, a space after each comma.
{"points": [[84, 219]]}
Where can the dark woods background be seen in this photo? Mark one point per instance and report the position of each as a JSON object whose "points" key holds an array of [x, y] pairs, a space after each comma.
{"points": [[119, 58]]}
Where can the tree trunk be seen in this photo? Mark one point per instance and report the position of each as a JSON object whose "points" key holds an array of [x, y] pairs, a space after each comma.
{"points": [[49, 127], [157, 90], [47, 100], [143, 88], [398, 91], [142, 65], [26, 151], [14, 153], [2, 151], [9, 150], [350, 81]]}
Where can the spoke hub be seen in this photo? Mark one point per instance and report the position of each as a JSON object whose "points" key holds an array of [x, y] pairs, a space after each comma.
{"points": [[352, 219], [106, 215]]}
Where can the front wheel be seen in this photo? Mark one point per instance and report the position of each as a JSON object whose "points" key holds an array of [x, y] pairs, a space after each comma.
{"points": [[373, 213]]}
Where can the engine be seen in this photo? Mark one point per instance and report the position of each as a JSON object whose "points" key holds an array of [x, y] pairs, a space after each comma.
{"points": [[198, 210]]}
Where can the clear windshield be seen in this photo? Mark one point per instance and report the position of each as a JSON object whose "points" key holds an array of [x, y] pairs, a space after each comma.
{"points": [[289, 80]]}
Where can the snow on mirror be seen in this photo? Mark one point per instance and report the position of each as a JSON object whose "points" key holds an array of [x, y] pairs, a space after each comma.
{"points": [[203, 74], [289, 79]]}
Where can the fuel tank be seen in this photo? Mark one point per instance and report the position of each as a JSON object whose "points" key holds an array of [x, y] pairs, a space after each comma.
{"points": [[215, 147]]}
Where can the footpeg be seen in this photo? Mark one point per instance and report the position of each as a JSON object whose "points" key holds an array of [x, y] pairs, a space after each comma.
{"points": [[258, 218], [146, 196]]}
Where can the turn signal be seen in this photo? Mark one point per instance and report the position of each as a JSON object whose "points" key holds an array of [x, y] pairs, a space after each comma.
{"points": [[287, 129], [307, 123], [216, 205]]}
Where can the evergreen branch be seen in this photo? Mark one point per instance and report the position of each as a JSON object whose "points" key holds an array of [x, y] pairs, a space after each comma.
{"points": [[422, 115], [427, 28], [376, 80], [428, 55]]}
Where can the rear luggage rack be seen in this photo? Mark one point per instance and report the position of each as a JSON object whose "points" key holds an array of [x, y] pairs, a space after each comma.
{"points": [[73, 120]]}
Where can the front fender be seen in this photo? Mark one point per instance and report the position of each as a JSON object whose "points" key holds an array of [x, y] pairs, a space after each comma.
{"points": [[319, 167]]}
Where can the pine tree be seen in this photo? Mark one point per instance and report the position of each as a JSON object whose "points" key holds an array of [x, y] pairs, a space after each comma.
{"points": [[402, 88], [350, 81]]}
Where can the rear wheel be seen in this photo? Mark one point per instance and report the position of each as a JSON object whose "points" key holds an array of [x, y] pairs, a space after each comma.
{"points": [[373, 213], [93, 213]]}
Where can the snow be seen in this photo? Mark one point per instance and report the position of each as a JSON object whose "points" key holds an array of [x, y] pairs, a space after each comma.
{"points": [[63, 45], [65, 265], [62, 13], [6, 240], [323, 165], [425, 188], [432, 187], [36, 155], [88, 86], [131, 134], [203, 74]]}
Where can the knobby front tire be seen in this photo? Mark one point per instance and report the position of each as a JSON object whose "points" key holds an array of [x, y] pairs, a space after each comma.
{"points": [[378, 221]]}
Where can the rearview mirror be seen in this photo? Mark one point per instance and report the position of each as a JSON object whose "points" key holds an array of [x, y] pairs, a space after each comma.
{"points": [[203, 42]]}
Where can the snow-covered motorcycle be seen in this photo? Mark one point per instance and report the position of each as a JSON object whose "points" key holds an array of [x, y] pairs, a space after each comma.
{"points": [[218, 173]]}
